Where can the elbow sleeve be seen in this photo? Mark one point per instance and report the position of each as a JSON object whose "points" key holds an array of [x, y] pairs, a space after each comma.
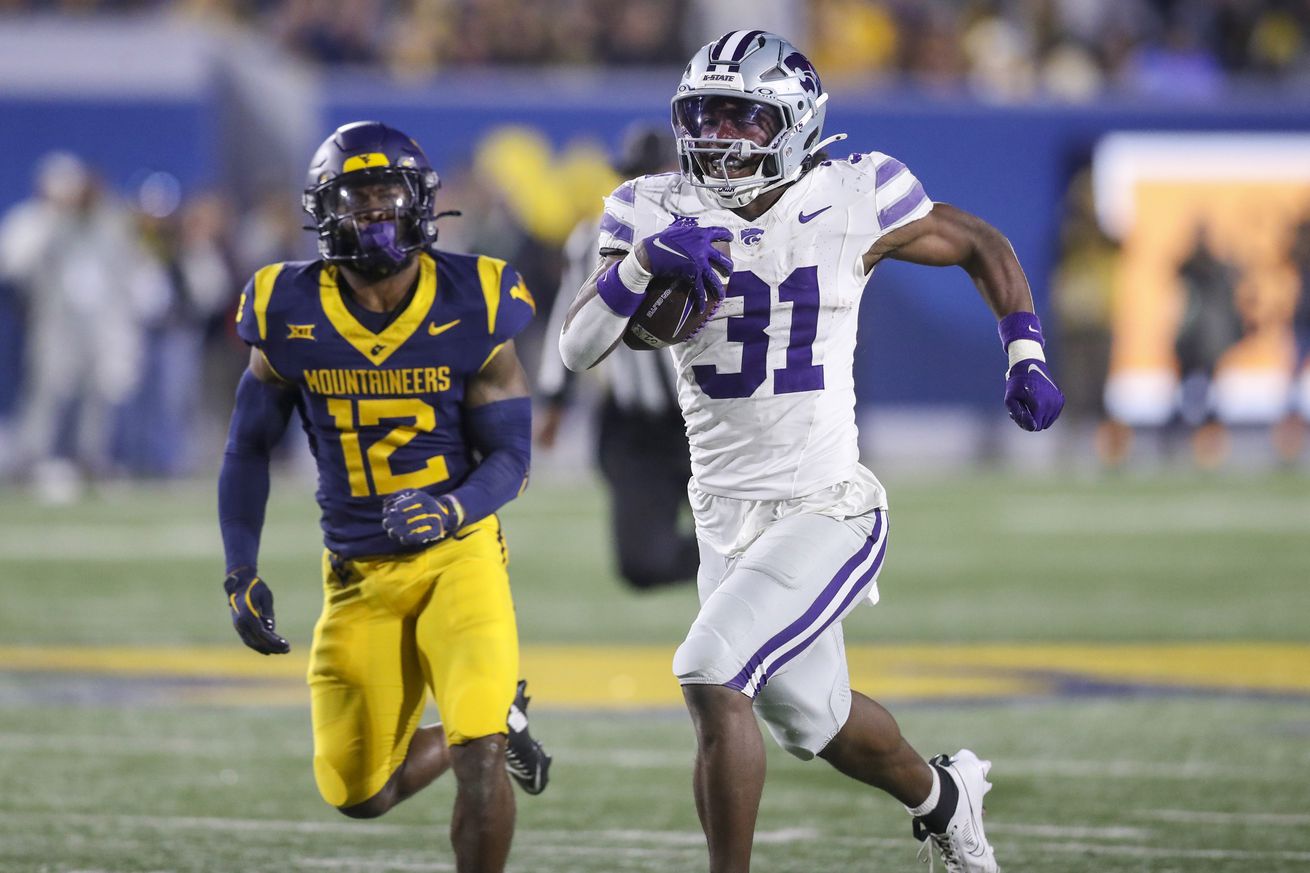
{"points": [[594, 331]]}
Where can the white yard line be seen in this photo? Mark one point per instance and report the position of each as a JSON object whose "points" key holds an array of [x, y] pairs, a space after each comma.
{"points": [[219, 823], [1190, 816], [1170, 516], [143, 542], [687, 839], [1064, 832], [119, 745], [370, 864], [683, 845], [1173, 852], [627, 760], [1132, 770]]}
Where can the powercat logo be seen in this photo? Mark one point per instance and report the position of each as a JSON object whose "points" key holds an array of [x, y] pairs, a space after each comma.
{"points": [[801, 66]]}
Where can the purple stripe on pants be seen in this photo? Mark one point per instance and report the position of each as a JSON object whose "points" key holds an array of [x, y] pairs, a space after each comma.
{"points": [[797, 627], [855, 591]]}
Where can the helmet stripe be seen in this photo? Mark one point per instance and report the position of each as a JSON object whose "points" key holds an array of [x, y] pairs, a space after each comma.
{"points": [[734, 46], [717, 51], [744, 46]]}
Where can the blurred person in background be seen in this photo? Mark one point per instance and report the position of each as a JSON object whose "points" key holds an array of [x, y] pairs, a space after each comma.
{"points": [[641, 443], [189, 243], [72, 253], [1290, 433], [1210, 326], [270, 231], [1082, 296]]}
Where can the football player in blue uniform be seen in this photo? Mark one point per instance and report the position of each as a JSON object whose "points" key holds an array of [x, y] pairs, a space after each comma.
{"points": [[400, 361]]}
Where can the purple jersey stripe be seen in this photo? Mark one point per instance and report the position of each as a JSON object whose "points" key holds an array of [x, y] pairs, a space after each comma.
{"points": [[887, 171], [797, 627], [625, 193], [908, 202], [857, 590], [611, 225]]}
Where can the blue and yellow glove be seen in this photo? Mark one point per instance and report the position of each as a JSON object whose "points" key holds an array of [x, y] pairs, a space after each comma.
{"points": [[251, 603], [416, 518]]}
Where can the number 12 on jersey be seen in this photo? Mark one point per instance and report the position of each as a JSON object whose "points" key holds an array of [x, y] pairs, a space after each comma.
{"points": [[750, 329], [350, 415]]}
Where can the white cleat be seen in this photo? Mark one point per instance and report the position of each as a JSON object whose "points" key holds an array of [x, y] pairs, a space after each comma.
{"points": [[963, 847]]}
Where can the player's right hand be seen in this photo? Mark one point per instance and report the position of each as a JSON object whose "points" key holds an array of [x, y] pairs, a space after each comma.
{"points": [[416, 518], [251, 603], [686, 250]]}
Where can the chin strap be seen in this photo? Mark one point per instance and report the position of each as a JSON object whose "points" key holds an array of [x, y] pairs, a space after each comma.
{"points": [[836, 137]]}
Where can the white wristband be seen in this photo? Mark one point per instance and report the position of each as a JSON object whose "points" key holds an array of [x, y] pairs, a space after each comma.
{"points": [[633, 275], [1024, 350]]}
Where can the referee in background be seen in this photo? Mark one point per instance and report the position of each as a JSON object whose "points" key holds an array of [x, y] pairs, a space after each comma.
{"points": [[642, 442]]}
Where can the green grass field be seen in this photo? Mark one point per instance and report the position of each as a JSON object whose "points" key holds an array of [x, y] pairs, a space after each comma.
{"points": [[1139, 648]]}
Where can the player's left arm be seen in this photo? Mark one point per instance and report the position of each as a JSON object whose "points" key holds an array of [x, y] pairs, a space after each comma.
{"points": [[498, 422], [948, 236]]}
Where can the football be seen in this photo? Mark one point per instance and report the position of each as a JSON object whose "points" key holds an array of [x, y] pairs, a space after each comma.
{"points": [[668, 314]]}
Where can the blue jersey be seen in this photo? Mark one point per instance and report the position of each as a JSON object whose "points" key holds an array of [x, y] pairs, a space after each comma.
{"points": [[383, 411]]}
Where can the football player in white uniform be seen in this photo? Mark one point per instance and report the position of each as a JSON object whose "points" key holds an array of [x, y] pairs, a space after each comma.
{"points": [[792, 528]]}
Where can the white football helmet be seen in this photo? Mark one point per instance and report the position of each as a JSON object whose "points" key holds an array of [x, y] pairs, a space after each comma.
{"points": [[777, 86]]}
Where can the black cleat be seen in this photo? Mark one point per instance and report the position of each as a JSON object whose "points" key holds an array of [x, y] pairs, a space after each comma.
{"points": [[525, 759]]}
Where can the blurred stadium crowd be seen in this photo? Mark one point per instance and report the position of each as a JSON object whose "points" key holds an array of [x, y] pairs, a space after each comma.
{"points": [[128, 301], [144, 388], [1001, 49]]}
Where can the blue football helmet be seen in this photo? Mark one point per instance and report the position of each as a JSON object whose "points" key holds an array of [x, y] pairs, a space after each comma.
{"points": [[372, 195]]}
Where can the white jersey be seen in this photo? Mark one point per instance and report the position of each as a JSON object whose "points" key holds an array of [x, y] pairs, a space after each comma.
{"points": [[767, 387]]}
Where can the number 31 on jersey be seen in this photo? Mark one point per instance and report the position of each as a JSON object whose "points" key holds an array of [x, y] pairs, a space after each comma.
{"points": [[750, 329]]}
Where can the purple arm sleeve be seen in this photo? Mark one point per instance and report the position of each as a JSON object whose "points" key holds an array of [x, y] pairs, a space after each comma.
{"points": [[502, 432], [259, 419]]}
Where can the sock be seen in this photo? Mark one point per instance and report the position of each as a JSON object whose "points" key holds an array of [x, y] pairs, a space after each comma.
{"points": [[937, 809]]}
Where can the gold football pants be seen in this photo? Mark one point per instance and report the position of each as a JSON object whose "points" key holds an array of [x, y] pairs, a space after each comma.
{"points": [[395, 627]]}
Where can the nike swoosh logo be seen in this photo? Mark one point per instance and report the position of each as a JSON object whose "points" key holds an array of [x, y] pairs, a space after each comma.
{"points": [[813, 215], [1033, 368], [659, 244], [1032, 329], [433, 329]]}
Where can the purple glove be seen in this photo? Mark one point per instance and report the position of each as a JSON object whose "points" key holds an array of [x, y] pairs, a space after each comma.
{"points": [[685, 249], [416, 518], [1031, 395]]}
